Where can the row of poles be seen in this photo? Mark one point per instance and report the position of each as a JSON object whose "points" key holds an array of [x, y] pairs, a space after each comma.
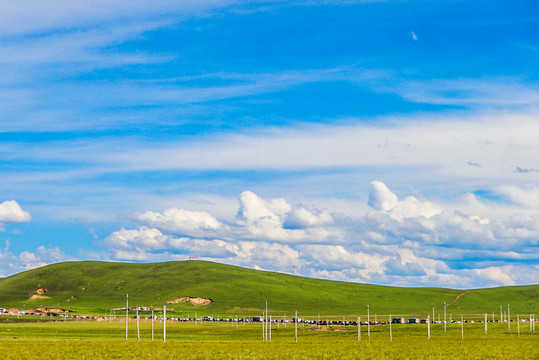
{"points": [[137, 316], [267, 320]]}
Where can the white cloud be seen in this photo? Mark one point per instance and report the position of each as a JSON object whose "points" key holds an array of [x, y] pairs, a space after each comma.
{"points": [[398, 242], [28, 260], [144, 237], [38, 16], [495, 275], [182, 222], [11, 212], [381, 198]]}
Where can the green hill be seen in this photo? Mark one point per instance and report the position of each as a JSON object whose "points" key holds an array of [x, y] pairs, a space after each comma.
{"points": [[96, 287]]}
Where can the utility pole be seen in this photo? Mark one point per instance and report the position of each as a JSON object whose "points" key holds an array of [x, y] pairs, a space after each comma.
{"points": [[296, 328], [126, 313], [445, 318], [368, 322], [138, 329], [508, 317], [164, 323], [390, 332]]}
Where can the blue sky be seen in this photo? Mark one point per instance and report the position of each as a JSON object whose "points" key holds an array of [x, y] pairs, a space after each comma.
{"points": [[388, 142]]}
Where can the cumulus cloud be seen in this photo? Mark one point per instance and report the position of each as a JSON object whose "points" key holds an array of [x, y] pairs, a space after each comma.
{"points": [[397, 242], [28, 260], [11, 212], [495, 275], [182, 222], [381, 198]]}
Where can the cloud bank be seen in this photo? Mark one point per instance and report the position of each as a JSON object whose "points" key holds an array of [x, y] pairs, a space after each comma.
{"points": [[407, 241]]}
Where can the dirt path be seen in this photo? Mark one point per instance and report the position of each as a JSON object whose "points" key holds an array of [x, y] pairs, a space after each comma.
{"points": [[455, 299]]}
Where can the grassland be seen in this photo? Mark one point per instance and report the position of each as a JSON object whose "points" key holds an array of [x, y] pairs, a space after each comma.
{"points": [[99, 340], [96, 287]]}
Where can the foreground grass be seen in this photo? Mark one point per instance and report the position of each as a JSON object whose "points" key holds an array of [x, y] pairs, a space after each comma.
{"points": [[100, 340]]}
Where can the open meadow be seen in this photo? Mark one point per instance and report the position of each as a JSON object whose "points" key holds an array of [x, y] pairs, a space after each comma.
{"points": [[106, 340]]}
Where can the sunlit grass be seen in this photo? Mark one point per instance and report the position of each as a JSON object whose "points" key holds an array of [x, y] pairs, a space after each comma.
{"points": [[94, 340]]}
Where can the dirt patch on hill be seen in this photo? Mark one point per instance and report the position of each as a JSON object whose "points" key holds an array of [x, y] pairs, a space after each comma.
{"points": [[192, 300], [40, 294], [36, 296]]}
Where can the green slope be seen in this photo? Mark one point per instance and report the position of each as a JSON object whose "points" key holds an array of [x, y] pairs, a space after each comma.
{"points": [[98, 286]]}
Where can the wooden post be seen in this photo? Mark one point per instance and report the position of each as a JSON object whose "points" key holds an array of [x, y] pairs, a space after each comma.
{"points": [[266, 321], [508, 317], [445, 318], [296, 328], [263, 328], [358, 328], [138, 329], [485, 323], [152, 324], [518, 325], [164, 323], [390, 332], [368, 323], [428, 327], [462, 327], [269, 325], [126, 313]]}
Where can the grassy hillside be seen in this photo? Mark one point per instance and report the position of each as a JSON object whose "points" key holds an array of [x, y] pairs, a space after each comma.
{"points": [[98, 286]]}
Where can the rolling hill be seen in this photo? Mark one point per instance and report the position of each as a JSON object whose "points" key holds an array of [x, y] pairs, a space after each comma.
{"points": [[96, 287]]}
